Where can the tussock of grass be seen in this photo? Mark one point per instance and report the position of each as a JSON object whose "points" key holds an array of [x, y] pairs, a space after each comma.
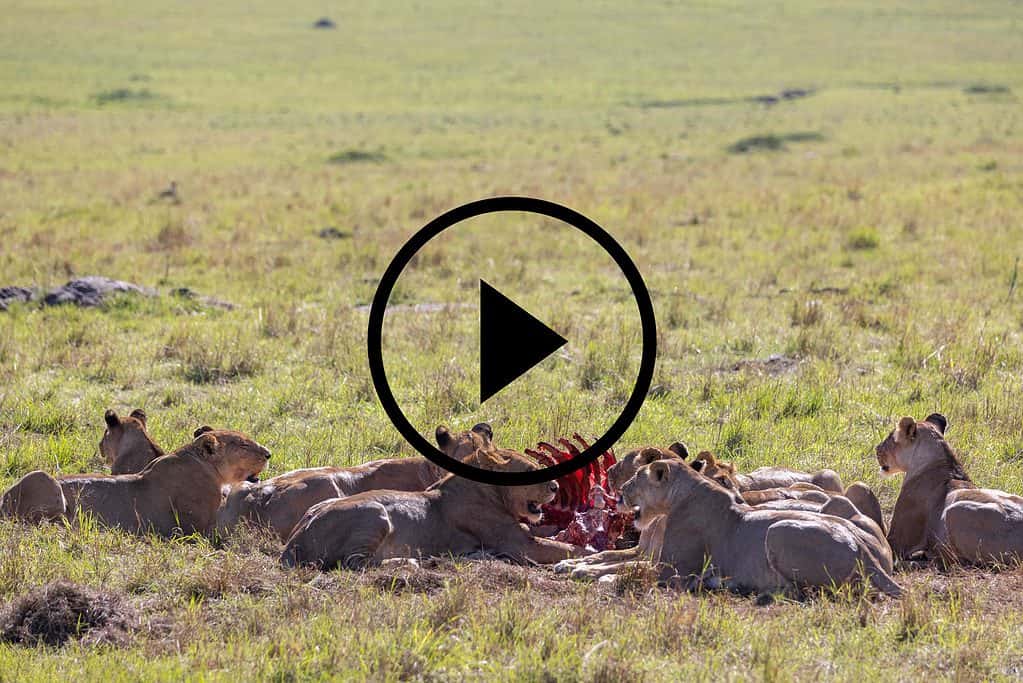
{"points": [[61, 611], [355, 156], [771, 142], [118, 95], [864, 239]]}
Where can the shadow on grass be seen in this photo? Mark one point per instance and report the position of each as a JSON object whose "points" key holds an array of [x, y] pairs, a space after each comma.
{"points": [[126, 95], [771, 142], [768, 100], [356, 156]]}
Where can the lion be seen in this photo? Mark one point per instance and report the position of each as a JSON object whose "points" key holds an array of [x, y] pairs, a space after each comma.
{"points": [[753, 549], [455, 516], [126, 444], [176, 493], [280, 502], [858, 504], [726, 474], [809, 497], [940, 511]]}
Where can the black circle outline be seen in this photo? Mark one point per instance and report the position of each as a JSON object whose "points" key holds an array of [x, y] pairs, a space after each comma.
{"points": [[523, 205]]}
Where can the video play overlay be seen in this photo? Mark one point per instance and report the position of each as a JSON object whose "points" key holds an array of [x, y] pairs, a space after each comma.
{"points": [[518, 312]]}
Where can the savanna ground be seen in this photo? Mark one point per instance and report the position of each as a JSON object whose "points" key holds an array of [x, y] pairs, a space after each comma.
{"points": [[869, 231]]}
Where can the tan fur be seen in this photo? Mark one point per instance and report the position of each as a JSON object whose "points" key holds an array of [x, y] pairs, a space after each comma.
{"points": [[281, 502], [126, 444], [811, 497], [754, 549], [940, 511], [726, 474], [177, 493], [456, 516], [35, 498]]}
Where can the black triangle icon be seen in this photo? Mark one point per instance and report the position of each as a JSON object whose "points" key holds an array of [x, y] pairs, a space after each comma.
{"points": [[511, 341]]}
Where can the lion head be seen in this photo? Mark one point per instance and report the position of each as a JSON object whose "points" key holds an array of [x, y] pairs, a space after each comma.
{"points": [[626, 468], [652, 490], [724, 473], [460, 446], [524, 502], [900, 451], [234, 456], [126, 445]]}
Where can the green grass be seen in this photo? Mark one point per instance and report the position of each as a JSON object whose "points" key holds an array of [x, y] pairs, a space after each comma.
{"points": [[870, 230]]}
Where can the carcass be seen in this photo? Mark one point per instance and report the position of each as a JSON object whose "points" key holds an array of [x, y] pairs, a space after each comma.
{"points": [[584, 513]]}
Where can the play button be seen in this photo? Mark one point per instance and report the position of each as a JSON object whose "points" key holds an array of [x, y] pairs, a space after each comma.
{"points": [[511, 341]]}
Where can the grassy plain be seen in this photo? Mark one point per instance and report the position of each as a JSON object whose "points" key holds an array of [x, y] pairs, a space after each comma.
{"points": [[870, 230]]}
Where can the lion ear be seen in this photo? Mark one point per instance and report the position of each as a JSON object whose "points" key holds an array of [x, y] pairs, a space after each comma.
{"points": [[443, 436], [110, 417], [139, 415], [938, 420], [907, 428], [658, 470], [651, 453], [679, 449], [485, 430], [208, 442], [201, 430], [697, 465]]}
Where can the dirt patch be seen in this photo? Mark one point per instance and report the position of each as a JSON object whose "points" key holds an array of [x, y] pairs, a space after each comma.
{"points": [[61, 611], [406, 578], [776, 364], [484, 572]]}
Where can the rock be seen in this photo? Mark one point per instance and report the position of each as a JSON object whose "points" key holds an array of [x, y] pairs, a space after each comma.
{"points": [[324, 23], [192, 295], [9, 295], [92, 290]]}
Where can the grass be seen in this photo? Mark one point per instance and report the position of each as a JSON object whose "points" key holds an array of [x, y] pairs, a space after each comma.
{"points": [[876, 251]]}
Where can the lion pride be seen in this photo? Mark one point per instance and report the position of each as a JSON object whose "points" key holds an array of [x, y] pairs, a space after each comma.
{"points": [[455, 516], [726, 474], [280, 502], [754, 549], [176, 493]]}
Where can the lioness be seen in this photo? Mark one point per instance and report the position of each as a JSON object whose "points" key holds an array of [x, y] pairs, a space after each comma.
{"points": [[126, 444], [753, 549], [455, 516], [280, 502], [859, 505], [940, 510], [804, 496], [766, 477], [179, 492]]}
